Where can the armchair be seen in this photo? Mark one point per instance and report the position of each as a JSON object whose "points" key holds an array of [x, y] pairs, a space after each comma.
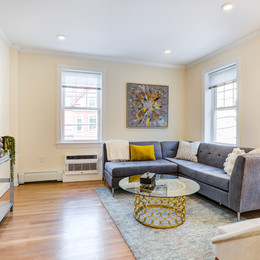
{"points": [[238, 241]]}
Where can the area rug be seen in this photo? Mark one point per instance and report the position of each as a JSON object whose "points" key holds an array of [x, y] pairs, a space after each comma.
{"points": [[190, 240]]}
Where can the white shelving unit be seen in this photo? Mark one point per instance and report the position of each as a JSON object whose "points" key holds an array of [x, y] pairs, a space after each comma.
{"points": [[5, 206]]}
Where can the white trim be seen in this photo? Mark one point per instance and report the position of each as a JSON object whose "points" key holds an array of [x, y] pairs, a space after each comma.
{"points": [[205, 72], [102, 111], [97, 57], [238, 101], [227, 47], [78, 145], [4, 36]]}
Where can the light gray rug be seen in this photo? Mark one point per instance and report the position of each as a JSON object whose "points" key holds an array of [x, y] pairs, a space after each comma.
{"points": [[188, 241]]}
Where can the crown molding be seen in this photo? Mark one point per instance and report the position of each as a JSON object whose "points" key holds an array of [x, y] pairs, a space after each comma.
{"points": [[224, 48], [24, 49], [4, 36], [16, 47], [229, 46]]}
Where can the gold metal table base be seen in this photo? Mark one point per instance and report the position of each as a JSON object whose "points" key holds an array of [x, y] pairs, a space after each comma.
{"points": [[159, 212]]}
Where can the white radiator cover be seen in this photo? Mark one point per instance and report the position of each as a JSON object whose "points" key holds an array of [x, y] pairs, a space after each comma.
{"points": [[81, 164], [26, 177]]}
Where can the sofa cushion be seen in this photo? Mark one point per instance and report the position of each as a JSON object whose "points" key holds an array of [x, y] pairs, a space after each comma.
{"points": [[214, 154], [121, 169], [207, 174], [157, 148], [169, 148]]}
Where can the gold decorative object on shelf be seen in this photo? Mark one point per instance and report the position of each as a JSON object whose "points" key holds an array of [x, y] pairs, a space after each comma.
{"points": [[159, 212]]}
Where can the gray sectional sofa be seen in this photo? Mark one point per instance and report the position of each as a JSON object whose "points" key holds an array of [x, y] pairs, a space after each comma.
{"points": [[239, 192]]}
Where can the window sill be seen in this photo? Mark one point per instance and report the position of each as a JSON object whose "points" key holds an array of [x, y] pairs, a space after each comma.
{"points": [[61, 145], [224, 144]]}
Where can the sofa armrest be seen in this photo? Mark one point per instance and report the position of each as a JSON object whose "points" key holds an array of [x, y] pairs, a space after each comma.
{"points": [[104, 158], [244, 186]]}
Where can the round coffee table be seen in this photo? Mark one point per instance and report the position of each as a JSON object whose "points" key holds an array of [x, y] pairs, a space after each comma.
{"points": [[164, 206]]}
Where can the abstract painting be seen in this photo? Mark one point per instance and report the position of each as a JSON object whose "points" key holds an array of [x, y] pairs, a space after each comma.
{"points": [[147, 105]]}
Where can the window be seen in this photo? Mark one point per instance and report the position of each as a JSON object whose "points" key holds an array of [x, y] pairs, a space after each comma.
{"points": [[92, 100], [221, 106], [79, 123], [81, 106], [92, 123]]}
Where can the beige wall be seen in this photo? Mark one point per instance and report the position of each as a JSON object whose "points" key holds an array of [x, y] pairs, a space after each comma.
{"points": [[31, 117], [4, 88], [4, 98], [37, 95], [249, 53]]}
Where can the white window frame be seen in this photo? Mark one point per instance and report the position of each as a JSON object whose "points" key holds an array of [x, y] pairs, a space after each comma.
{"points": [[61, 143], [208, 122]]}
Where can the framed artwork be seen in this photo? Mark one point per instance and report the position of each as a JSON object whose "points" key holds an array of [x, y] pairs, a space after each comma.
{"points": [[147, 105]]}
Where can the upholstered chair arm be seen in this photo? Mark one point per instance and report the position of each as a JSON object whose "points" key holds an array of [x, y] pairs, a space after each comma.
{"points": [[238, 241], [241, 234], [244, 186]]}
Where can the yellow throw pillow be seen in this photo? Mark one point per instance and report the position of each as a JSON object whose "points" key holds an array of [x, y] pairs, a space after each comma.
{"points": [[142, 152]]}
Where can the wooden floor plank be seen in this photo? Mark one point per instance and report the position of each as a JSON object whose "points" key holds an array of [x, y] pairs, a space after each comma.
{"points": [[60, 221]]}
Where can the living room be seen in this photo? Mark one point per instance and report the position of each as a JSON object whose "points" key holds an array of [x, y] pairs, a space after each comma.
{"points": [[32, 61]]}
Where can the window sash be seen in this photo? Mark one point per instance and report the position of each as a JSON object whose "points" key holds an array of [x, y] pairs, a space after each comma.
{"points": [[87, 98], [98, 126], [85, 108], [79, 123], [80, 87], [215, 109]]}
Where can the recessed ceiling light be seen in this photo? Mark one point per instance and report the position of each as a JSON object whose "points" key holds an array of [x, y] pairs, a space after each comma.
{"points": [[61, 37], [227, 6], [167, 51]]}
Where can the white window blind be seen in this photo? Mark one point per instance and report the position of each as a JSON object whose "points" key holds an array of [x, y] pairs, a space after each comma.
{"points": [[223, 76], [81, 100]]}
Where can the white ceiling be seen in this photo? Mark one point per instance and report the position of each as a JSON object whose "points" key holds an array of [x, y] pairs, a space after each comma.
{"points": [[131, 30]]}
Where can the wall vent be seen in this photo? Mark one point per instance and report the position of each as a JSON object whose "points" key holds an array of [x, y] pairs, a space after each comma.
{"points": [[81, 164]]}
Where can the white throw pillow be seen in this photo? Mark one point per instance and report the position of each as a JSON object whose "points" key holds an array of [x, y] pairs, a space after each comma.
{"points": [[188, 151], [256, 150], [231, 159]]}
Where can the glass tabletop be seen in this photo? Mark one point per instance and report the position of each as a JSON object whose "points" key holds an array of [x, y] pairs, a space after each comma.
{"points": [[164, 186]]}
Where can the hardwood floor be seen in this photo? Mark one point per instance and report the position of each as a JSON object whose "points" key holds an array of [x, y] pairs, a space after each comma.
{"points": [[60, 221]]}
